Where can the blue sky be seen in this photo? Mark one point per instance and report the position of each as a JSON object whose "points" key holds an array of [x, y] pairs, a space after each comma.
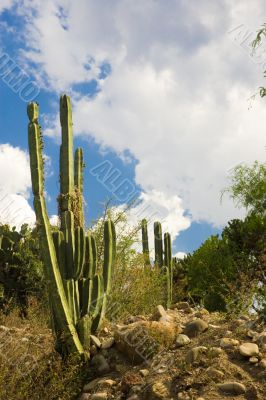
{"points": [[159, 91]]}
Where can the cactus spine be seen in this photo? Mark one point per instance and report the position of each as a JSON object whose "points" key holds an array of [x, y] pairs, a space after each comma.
{"points": [[145, 242], [78, 293]]}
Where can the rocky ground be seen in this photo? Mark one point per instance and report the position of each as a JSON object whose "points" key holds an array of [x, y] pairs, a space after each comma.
{"points": [[181, 353]]}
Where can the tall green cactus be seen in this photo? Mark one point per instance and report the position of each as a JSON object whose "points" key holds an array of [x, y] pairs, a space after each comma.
{"points": [[145, 242], [78, 292], [158, 244], [169, 267], [163, 254]]}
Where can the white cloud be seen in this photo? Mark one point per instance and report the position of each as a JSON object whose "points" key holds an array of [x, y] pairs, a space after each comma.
{"points": [[5, 4], [15, 186], [177, 94]]}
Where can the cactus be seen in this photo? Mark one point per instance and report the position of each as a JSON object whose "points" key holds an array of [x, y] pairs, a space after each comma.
{"points": [[158, 244], [77, 291], [145, 242], [168, 262], [163, 259]]}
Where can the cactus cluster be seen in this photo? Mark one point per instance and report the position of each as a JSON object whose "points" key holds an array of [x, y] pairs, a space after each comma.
{"points": [[78, 290], [163, 254]]}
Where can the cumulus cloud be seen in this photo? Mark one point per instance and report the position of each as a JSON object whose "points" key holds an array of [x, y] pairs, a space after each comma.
{"points": [[15, 186], [177, 93]]}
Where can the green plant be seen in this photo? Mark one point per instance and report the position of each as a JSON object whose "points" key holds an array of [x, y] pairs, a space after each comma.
{"points": [[78, 291], [163, 255], [145, 242], [21, 271]]}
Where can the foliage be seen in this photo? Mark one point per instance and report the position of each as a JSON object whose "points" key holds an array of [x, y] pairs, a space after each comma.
{"points": [[21, 271], [248, 187]]}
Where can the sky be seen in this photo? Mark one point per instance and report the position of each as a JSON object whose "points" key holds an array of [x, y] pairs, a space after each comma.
{"points": [[165, 104]]}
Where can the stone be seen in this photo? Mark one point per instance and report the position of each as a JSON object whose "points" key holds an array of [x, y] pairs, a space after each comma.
{"points": [[215, 351], [99, 396], [85, 396], [194, 354], [160, 312], [100, 364], [262, 363], [228, 343], [25, 340], [108, 343], [106, 382], [182, 340], [232, 388], [91, 385], [144, 372], [215, 374], [95, 341], [253, 360], [159, 390], [194, 328], [183, 396], [182, 305], [249, 349]]}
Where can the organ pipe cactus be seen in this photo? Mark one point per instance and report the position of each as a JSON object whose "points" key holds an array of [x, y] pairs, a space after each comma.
{"points": [[145, 242], [77, 290], [158, 244], [169, 267]]}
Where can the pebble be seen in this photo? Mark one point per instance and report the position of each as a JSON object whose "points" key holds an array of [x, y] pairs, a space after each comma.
{"points": [[262, 363], [253, 360], [95, 341], [249, 349], [99, 396], [215, 374], [232, 388], [194, 354], [228, 343], [108, 343], [196, 327], [182, 340], [144, 372]]}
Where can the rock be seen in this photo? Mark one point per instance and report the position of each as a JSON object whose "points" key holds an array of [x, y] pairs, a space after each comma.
{"points": [[262, 363], [141, 341], [106, 382], [108, 343], [133, 397], [95, 341], [249, 349], [25, 340], [232, 388], [252, 334], [228, 343], [196, 327], [4, 328], [182, 305], [194, 354], [183, 396], [100, 364], [215, 351], [159, 390], [99, 396], [144, 372], [85, 396], [215, 374], [182, 340], [160, 312], [261, 338], [91, 385], [253, 360]]}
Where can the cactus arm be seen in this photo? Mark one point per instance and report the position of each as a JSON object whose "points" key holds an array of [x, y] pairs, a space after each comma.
{"points": [[66, 155], [56, 289], [158, 244], [145, 242], [67, 226], [79, 252], [78, 180]]}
